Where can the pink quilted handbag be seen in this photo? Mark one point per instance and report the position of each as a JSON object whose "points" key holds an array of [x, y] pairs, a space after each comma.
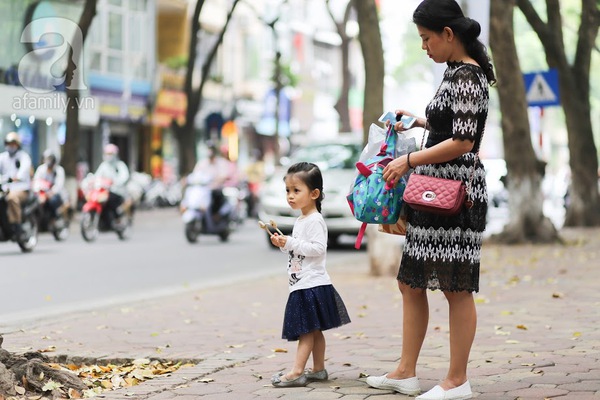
{"points": [[434, 195]]}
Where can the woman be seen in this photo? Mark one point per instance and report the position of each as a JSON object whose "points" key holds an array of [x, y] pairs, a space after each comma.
{"points": [[441, 252]]}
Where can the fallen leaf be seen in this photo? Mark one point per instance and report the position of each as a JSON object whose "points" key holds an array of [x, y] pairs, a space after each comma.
{"points": [[51, 385], [206, 380], [512, 342], [20, 390], [279, 350], [363, 375], [558, 295], [521, 326]]}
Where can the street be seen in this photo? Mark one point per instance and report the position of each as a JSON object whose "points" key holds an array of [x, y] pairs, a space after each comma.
{"points": [[60, 277]]}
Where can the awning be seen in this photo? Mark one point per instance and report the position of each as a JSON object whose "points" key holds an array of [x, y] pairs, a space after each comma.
{"points": [[170, 105]]}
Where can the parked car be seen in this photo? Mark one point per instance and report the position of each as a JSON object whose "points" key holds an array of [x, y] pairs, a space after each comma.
{"points": [[495, 173], [336, 161]]}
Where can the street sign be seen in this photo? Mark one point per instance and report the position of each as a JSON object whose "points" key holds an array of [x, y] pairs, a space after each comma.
{"points": [[541, 88]]}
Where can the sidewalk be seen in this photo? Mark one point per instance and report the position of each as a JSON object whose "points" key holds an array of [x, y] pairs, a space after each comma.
{"points": [[538, 334]]}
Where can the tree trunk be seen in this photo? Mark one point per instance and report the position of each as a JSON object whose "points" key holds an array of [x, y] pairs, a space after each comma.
{"points": [[31, 371], [71, 146], [186, 133], [527, 222], [574, 87], [341, 106], [372, 50]]}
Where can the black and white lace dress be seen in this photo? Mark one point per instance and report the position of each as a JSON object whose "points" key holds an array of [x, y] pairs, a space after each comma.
{"points": [[444, 252]]}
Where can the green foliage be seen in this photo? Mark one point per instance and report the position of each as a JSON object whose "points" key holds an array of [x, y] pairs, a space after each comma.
{"points": [[414, 65], [287, 76], [176, 62]]}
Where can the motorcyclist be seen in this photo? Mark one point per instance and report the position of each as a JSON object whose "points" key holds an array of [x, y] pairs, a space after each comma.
{"points": [[216, 168], [15, 168], [233, 176], [116, 170], [53, 173]]}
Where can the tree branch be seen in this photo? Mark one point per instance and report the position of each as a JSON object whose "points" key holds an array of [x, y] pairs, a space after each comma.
{"points": [[534, 19], [191, 62], [588, 31], [213, 52]]}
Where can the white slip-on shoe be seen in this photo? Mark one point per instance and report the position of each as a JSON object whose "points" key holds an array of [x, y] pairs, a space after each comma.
{"points": [[461, 392], [408, 386]]}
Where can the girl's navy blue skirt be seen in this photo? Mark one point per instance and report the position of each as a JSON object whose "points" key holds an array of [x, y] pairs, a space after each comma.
{"points": [[307, 310]]}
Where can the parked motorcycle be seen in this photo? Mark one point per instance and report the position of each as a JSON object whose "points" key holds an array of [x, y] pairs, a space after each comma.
{"points": [[28, 239], [205, 211], [47, 221], [95, 217]]}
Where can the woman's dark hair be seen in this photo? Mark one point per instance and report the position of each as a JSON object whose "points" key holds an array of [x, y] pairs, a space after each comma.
{"points": [[311, 175], [435, 15]]}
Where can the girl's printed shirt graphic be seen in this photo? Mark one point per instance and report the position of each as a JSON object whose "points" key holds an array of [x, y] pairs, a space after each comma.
{"points": [[295, 266]]}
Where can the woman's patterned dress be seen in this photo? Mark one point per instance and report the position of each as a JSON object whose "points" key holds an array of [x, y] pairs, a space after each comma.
{"points": [[443, 252]]}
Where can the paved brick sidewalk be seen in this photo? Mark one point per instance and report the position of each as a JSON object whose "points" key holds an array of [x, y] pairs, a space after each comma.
{"points": [[538, 334]]}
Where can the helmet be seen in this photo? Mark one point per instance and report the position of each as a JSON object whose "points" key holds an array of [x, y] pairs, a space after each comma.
{"points": [[12, 137], [49, 155], [111, 149]]}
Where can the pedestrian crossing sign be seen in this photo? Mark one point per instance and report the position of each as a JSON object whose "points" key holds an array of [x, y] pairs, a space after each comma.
{"points": [[541, 88]]}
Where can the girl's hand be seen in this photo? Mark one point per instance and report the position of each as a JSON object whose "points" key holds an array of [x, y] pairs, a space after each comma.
{"points": [[278, 240], [395, 170]]}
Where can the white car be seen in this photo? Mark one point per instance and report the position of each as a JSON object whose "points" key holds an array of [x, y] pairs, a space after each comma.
{"points": [[337, 163], [495, 171]]}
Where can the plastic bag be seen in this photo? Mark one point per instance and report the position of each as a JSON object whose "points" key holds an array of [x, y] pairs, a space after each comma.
{"points": [[377, 135]]}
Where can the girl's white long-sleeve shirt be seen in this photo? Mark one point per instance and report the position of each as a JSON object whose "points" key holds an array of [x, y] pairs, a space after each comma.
{"points": [[307, 253]]}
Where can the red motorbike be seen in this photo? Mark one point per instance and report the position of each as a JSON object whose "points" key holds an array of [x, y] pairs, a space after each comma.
{"points": [[47, 221], [95, 217]]}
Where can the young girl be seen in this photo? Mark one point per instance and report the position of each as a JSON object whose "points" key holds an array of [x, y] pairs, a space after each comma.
{"points": [[313, 304]]}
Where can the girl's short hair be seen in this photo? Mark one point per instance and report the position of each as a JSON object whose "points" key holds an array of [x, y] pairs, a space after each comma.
{"points": [[310, 174]]}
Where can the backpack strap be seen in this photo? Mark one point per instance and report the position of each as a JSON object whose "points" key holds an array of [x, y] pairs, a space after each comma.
{"points": [[363, 169], [360, 235]]}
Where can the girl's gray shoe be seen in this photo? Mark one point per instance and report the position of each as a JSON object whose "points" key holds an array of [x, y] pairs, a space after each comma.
{"points": [[316, 376], [300, 381]]}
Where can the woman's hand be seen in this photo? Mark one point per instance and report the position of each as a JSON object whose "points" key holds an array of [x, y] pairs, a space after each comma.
{"points": [[395, 170], [399, 126]]}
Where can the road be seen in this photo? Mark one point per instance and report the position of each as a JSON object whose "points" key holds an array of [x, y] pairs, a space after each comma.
{"points": [[73, 275]]}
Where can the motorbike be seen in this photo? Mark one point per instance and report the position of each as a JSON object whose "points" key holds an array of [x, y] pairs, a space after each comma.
{"points": [[58, 225], [205, 210], [28, 239], [96, 218]]}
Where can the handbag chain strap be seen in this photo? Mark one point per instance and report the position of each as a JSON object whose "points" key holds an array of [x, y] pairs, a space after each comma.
{"points": [[469, 201]]}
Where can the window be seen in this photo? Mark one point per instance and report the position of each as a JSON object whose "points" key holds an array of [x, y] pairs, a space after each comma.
{"points": [[122, 39]]}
